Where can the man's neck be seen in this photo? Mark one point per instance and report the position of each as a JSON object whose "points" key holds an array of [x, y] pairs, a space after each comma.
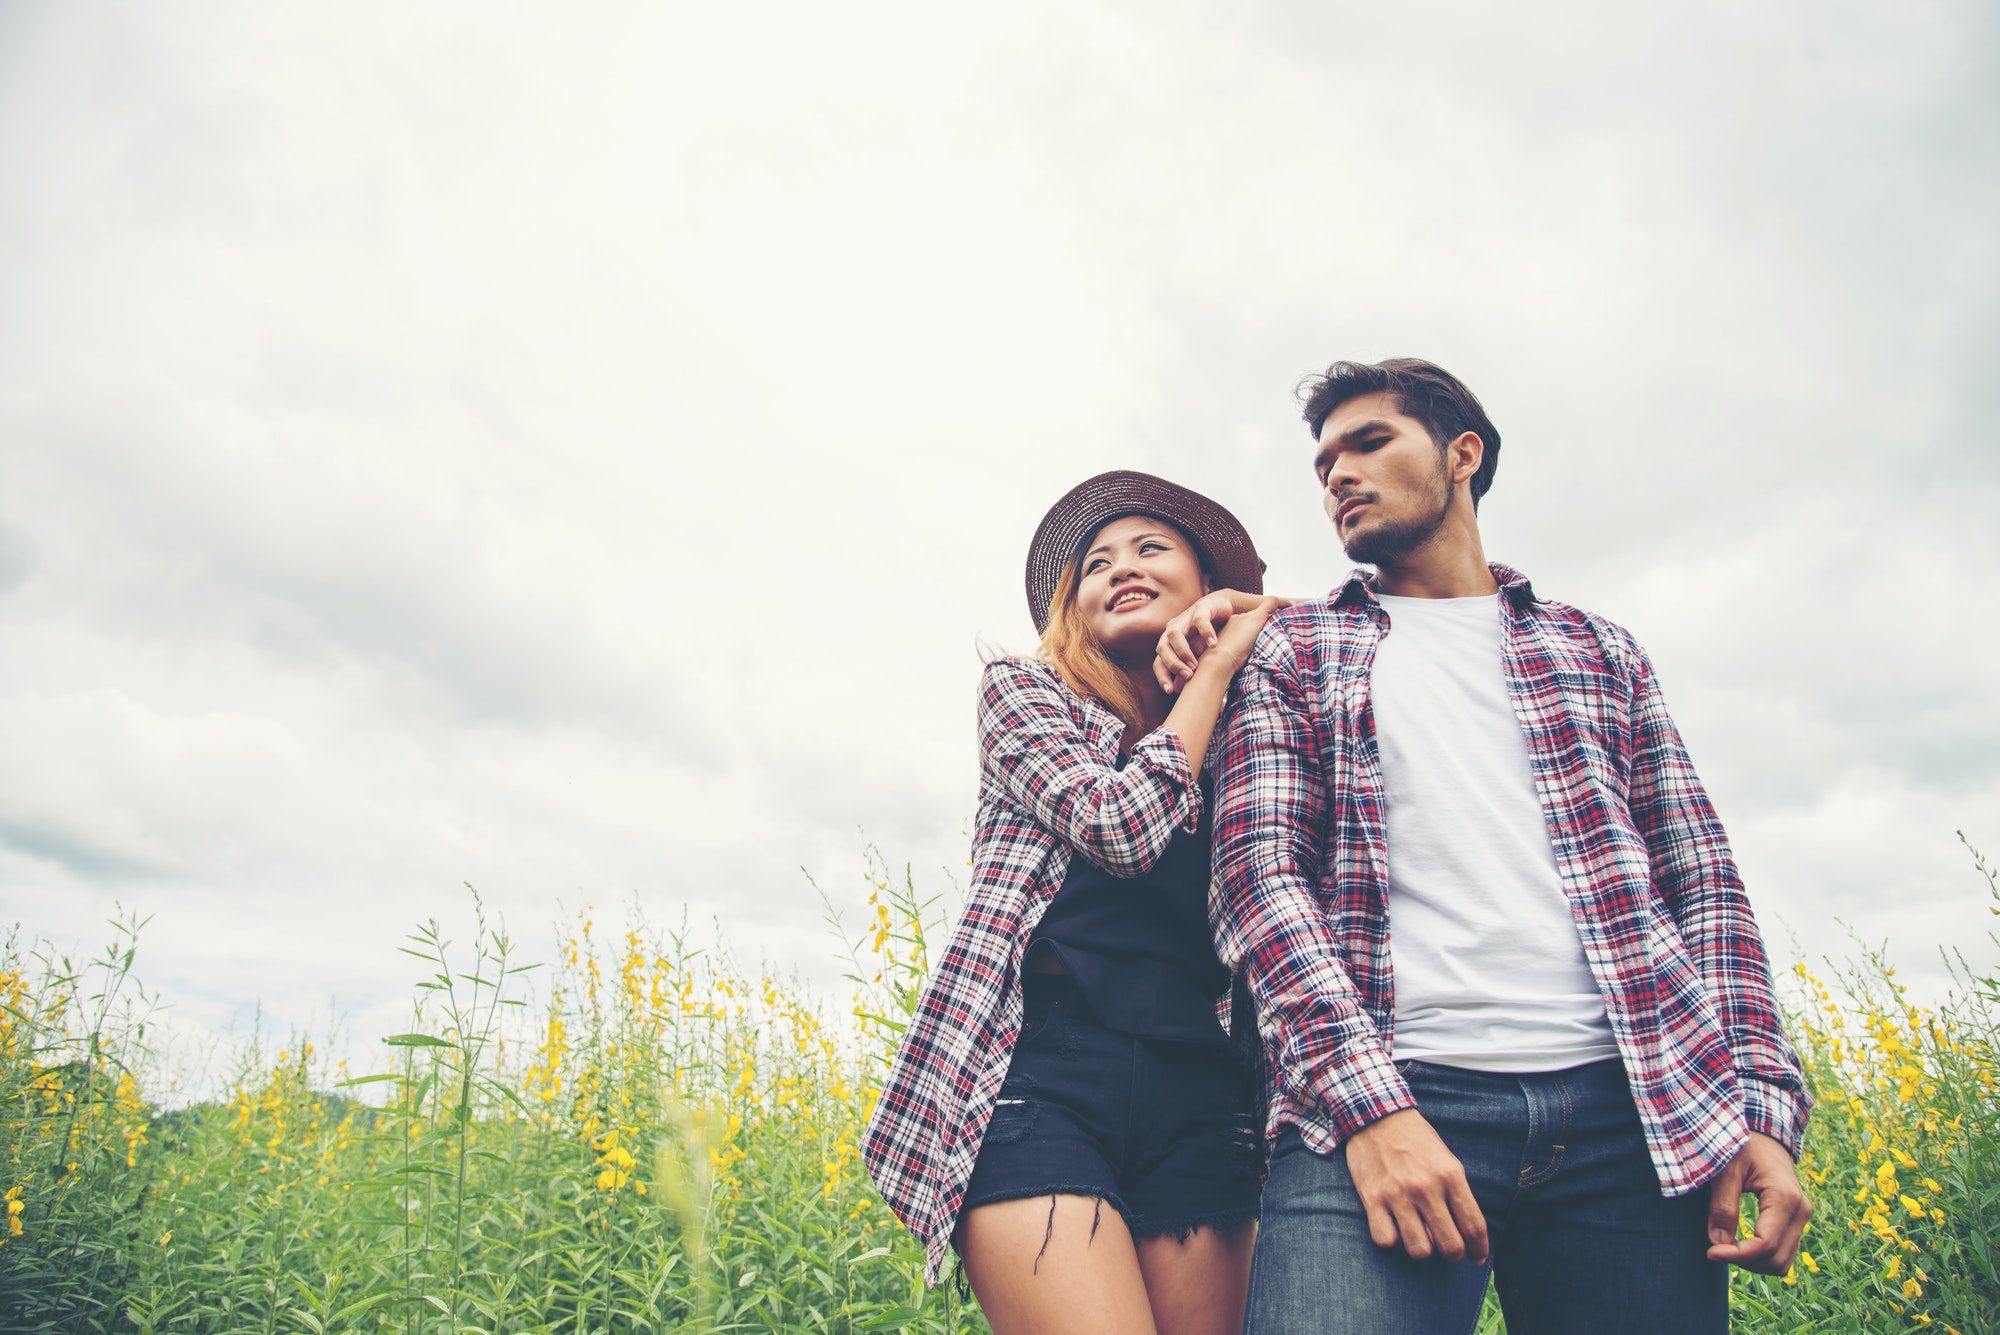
{"points": [[1451, 565]]}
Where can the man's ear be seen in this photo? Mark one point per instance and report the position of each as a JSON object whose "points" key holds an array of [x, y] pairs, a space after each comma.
{"points": [[1465, 455]]}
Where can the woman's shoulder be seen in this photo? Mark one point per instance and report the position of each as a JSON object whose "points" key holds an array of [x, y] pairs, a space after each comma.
{"points": [[1018, 671], [1015, 690]]}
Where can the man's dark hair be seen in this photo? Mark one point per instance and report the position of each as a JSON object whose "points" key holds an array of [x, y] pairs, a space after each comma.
{"points": [[1423, 390]]}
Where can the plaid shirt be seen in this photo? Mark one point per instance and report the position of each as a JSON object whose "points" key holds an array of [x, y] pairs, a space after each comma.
{"points": [[1049, 786], [1301, 880]]}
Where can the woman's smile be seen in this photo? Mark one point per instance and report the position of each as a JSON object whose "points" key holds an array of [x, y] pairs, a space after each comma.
{"points": [[1137, 573]]}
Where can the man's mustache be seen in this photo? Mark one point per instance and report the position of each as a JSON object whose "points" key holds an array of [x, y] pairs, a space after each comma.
{"points": [[1335, 500]]}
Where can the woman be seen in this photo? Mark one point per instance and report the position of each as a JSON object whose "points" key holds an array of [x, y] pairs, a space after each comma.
{"points": [[1066, 1107]]}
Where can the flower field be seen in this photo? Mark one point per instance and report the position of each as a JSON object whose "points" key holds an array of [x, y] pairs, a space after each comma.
{"points": [[646, 1135]]}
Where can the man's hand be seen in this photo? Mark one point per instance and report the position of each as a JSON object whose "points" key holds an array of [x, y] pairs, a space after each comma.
{"points": [[1763, 1168], [1415, 1190]]}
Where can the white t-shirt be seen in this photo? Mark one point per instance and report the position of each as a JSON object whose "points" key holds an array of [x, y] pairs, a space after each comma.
{"points": [[1489, 970]]}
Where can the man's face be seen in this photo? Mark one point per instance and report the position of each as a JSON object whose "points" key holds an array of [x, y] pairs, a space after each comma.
{"points": [[1385, 483]]}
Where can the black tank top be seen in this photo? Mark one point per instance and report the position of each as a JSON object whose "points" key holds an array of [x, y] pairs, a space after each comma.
{"points": [[1138, 948]]}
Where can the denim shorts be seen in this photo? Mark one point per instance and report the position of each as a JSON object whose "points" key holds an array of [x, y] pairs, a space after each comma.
{"points": [[1163, 1132]]}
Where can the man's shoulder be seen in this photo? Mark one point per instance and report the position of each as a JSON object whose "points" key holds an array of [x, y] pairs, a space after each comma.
{"points": [[1307, 633], [1317, 618], [1615, 644]]}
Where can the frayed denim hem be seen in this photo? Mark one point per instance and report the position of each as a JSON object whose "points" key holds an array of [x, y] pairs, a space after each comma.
{"points": [[1102, 1198], [1224, 1222]]}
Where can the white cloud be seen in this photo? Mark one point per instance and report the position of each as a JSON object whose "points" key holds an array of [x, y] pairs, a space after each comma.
{"points": [[578, 453]]}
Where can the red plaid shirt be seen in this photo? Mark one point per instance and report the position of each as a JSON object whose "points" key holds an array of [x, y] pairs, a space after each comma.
{"points": [[1301, 892], [1049, 786]]}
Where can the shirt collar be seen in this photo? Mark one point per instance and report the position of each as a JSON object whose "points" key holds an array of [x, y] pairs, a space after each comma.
{"points": [[1360, 586]]}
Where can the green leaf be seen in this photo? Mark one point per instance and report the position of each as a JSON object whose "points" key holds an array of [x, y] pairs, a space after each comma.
{"points": [[894, 1319], [495, 1087], [417, 1041], [353, 1309]]}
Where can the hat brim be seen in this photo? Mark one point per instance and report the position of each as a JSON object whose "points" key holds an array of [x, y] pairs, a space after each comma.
{"points": [[1087, 507]]}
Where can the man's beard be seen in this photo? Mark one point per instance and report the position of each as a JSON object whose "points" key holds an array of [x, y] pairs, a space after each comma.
{"points": [[1391, 542]]}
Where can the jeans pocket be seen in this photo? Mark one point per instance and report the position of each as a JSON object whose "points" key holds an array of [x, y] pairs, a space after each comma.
{"points": [[1036, 1022], [1014, 1117]]}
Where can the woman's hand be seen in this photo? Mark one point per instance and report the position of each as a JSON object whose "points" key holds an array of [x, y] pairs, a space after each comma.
{"points": [[1225, 620], [1220, 644]]}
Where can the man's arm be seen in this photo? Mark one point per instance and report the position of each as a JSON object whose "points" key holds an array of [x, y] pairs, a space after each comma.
{"points": [[1269, 847], [1695, 875], [1270, 817]]}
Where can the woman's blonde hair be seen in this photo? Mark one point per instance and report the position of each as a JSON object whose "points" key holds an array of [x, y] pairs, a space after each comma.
{"points": [[1069, 646]]}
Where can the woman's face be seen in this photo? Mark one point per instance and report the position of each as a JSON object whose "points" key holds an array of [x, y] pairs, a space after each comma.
{"points": [[1137, 575]]}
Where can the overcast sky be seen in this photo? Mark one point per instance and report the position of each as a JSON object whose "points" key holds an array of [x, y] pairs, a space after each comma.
{"points": [[581, 454]]}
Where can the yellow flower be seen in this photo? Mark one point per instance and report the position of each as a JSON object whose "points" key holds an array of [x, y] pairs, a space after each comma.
{"points": [[1806, 1260], [1912, 1289]]}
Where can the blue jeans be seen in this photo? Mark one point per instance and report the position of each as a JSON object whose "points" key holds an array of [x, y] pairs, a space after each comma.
{"points": [[1582, 1239]]}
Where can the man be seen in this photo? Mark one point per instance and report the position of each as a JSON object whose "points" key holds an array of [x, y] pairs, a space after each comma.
{"points": [[1564, 1065]]}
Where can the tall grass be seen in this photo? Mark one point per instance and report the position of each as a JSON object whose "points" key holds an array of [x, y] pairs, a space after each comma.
{"points": [[1903, 1155], [645, 1134]]}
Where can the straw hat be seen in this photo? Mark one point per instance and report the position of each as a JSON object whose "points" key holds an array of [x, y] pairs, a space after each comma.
{"points": [[1230, 556]]}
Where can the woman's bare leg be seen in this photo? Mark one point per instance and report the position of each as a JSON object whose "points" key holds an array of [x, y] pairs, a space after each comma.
{"points": [[1200, 1286], [1037, 1269]]}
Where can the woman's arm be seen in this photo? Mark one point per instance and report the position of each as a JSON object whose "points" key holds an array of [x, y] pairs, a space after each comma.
{"points": [[1193, 633], [1121, 819], [1206, 688], [1032, 747]]}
